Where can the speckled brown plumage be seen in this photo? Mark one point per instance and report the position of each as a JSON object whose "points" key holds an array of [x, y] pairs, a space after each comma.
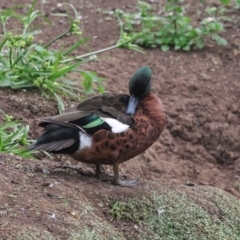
{"points": [[109, 147]]}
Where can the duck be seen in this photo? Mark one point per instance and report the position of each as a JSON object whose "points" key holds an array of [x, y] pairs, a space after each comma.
{"points": [[107, 129]]}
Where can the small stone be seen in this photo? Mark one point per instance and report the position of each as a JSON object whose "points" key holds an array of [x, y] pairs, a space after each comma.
{"points": [[46, 171], [53, 216], [73, 213], [190, 184]]}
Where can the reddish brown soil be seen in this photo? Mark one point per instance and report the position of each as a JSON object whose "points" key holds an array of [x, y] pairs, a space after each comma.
{"points": [[200, 91]]}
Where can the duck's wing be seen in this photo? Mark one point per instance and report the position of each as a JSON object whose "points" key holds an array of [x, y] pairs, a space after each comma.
{"points": [[105, 111]]}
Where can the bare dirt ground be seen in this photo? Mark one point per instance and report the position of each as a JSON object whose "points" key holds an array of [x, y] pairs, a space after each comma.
{"points": [[201, 94]]}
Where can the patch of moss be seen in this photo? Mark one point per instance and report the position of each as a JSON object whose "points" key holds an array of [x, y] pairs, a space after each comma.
{"points": [[91, 234], [176, 215], [34, 233], [90, 226]]}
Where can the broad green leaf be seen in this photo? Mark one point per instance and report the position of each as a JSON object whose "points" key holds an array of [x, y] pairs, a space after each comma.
{"points": [[186, 48], [4, 81], [211, 10], [165, 48], [220, 41], [177, 47]]}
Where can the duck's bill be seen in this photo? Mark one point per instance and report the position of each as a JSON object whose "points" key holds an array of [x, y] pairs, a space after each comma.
{"points": [[132, 105]]}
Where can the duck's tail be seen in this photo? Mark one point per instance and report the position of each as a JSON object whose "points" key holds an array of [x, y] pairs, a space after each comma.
{"points": [[57, 139]]}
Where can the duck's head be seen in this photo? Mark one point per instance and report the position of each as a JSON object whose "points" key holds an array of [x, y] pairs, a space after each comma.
{"points": [[139, 87]]}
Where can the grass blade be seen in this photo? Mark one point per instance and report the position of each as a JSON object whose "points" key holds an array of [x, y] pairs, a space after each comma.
{"points": [[74, 46]]}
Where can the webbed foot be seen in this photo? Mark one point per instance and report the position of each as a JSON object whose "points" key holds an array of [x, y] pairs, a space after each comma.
{"points": [[127, 183], [118, 181]]}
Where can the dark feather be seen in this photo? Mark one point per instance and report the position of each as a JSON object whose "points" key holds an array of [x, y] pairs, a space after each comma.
{"points": [[57, 139], [61, 132], [106, 105]]}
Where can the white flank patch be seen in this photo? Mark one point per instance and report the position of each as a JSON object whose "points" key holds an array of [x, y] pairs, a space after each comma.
{"points": [[116, 126], [85, 140]]}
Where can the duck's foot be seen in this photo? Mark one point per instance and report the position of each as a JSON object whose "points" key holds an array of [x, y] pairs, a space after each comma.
{"points": [[127, 183], [118, 181], [77, 169]]}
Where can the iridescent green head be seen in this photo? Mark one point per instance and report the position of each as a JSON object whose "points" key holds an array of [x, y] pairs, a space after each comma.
{"points": [[139, 86]]}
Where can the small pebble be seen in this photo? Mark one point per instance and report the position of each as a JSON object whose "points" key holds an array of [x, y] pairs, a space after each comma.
{"points": [[190, 184], [53, 216], [46, 171], [73, 213]]}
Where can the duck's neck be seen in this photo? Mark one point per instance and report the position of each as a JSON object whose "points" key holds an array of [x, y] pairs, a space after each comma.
{"points": [[154, 109]]}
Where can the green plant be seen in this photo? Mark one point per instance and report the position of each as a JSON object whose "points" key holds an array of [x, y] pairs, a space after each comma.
{"points": [[25, 63], [173, 29], [13, 137], [226, 2], [237, 3]]}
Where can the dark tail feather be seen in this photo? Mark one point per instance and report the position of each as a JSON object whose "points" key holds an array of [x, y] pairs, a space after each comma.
{"points": [[52, 146], [57, 139]]}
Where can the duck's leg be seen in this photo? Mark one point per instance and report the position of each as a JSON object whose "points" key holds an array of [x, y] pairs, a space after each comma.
{"points": [[118, 181], [100, 175], [98, 171]]}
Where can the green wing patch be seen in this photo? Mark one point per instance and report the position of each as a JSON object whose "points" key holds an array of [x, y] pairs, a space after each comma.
{"points": [[96, 122]]}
